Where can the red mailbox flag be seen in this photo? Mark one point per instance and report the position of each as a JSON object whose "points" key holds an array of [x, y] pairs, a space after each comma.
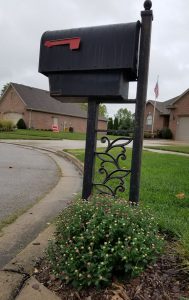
{"points": [[72, 42]]}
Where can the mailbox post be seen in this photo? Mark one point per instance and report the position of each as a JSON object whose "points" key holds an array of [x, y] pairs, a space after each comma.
{"points": [[147, 17], [90, 148], [95, 65]]}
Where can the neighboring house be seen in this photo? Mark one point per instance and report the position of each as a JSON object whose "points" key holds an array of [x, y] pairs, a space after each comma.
{"points": [[173, 114], [40, 111]]}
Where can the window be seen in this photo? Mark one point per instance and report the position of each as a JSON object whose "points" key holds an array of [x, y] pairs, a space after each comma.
{"points": [[149, 120]]}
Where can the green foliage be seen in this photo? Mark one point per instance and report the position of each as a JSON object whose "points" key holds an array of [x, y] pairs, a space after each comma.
{"points": [[116, 123], [125, 119], [6, 125], [110, 124], [21, 124], [102, 109], [32, 134], [71, 129], [4, 89], [163, 177], [147, 135], [165, 133], [102, 238]]}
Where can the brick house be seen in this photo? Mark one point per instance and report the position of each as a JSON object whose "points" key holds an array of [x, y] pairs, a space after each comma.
{"points": [[40, 111], [173, 114]]}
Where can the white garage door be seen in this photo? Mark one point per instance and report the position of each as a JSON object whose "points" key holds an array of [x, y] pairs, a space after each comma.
{"points": [[182, 133], [14, 117]]}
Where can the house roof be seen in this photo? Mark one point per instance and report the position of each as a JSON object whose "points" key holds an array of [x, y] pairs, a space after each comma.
{"points": [[164, 107], [40, 100]]}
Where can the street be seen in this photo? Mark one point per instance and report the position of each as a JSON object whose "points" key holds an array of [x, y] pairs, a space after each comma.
{"points": [[26, 175]]}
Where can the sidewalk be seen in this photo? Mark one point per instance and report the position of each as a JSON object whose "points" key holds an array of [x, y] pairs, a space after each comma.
{"points": [[17, 279], [165, 152]]}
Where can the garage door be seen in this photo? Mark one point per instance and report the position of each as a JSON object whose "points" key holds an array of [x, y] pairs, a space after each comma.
{"points": [[14, 117], [182, 133]]}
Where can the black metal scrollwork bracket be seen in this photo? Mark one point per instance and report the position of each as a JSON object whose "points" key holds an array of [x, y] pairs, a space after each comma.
{"points": [[110, 166]]}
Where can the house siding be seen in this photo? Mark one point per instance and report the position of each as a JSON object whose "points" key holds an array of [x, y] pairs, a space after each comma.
{"points": [[42, 120], [39, 120], [12, 103], [181, 109]]}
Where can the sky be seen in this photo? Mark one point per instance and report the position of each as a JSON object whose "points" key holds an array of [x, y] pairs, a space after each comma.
{"points": [[22, 22]]}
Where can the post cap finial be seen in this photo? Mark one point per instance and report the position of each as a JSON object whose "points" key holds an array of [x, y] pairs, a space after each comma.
{"points": [[147, 4]]}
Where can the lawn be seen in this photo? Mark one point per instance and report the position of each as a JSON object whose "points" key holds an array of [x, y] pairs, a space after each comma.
{"points": [[30, 134], [174, 148], [164, 188]]}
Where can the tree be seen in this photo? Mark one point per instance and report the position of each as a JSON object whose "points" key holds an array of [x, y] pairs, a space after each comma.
{"points": [[102, 109], [21, 124], [110, 124], [116, 123], [4, 89], [125, 118]]}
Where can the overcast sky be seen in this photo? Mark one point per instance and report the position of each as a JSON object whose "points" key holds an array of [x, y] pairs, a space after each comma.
{"points": [[22, 23]]}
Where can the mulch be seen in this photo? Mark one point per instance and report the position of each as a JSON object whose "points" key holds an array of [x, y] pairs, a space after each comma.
{"points": [[167, 279]]}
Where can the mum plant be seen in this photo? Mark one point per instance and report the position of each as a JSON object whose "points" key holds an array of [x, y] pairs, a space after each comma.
{"points": [[101, 239]]}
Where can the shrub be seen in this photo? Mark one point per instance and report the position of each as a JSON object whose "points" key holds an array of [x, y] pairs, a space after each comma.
{"points": [[21, 124], [165, 133], [147, 135], [71, 129], [101, 238], [6, 125]]}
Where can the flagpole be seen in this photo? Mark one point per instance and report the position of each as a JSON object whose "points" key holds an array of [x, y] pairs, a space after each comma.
{"points": [[154, 112], [156, 90]]}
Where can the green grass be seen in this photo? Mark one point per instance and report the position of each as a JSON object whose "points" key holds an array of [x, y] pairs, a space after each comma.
{"points": [[163, 177], [176, 148], [30, 134]]}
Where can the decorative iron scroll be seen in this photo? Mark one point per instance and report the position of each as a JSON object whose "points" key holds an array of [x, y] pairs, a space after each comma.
{"points": [[118, 173]]}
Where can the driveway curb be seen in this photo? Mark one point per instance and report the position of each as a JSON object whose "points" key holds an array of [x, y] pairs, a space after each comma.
{"points": [[16, 276], [73, 159]]}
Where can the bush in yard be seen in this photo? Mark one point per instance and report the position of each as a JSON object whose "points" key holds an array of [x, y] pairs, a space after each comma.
{"points": [[101, 239], [165, 133], [21, 124], [147, 135], [6, 125]]}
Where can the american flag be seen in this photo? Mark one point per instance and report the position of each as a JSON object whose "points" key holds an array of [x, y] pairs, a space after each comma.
{"points": [[156, 90]]}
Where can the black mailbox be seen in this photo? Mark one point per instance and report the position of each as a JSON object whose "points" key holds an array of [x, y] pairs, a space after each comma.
{"points": [[90, 62]]}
